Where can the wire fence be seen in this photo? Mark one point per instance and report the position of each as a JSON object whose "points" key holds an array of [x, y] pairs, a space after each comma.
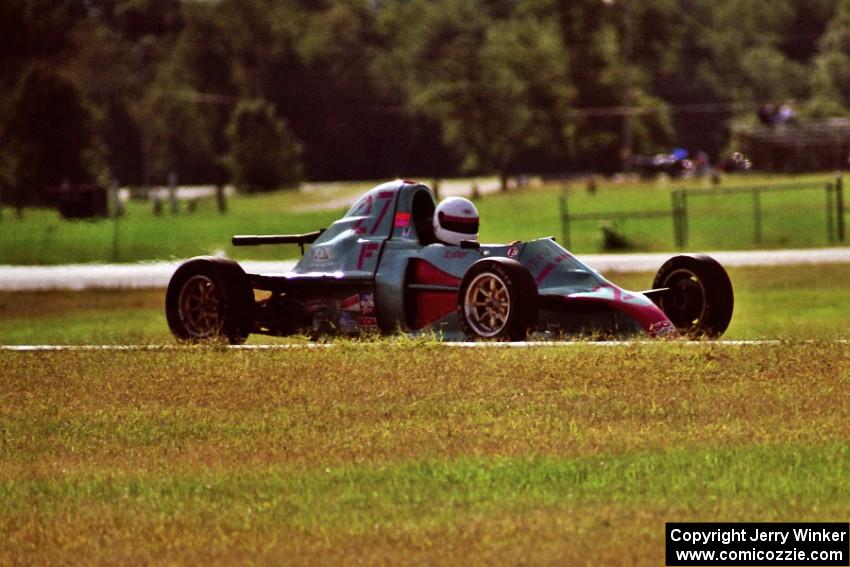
{"points": [[777, 215]]}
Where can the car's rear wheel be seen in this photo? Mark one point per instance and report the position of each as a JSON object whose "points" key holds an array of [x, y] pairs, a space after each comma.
{"points": [[699, 299], [210, 298], [497, 299]]}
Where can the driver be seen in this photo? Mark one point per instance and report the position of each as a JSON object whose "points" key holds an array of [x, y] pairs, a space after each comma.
{"points": [[455, 219]]}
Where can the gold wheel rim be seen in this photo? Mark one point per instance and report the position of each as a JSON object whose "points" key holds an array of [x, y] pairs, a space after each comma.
{"points": [[487, 305]]}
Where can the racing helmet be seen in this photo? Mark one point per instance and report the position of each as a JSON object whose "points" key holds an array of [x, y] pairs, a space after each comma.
{"points": [[455, 219]]}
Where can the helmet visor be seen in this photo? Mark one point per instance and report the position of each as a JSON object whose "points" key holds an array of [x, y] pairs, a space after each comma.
{"points": [[463, 225]]}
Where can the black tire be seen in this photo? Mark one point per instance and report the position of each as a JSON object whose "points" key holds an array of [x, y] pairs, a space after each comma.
{"points": [[700, 300], [510, 309], [210, 298]]}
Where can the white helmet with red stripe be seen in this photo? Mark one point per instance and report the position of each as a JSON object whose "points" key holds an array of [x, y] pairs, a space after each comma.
{"points": [[456, 219]]}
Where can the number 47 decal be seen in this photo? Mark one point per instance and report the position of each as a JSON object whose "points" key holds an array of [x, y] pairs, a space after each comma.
{"points": [[386, 196]]}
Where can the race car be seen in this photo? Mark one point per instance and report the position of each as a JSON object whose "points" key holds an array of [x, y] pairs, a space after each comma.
{"points": [[398, 262]]}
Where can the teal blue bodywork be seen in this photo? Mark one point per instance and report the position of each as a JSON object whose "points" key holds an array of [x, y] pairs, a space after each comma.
{"points": [[372, 247]]}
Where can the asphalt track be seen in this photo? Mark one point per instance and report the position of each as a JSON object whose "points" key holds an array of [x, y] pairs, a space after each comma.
{"points": [[157, 274]]}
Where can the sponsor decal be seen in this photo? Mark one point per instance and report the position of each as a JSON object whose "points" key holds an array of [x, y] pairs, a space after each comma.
{"points": [[367, 303], [387, 196], [513, 252], [365, 206], [617, 293], [402, 220], [367, 322], [549, 267], [364, 211], [536, 261], [367, 250], [321, 255], [661, 328], [455, 254], [350, 303], [347, 321]]}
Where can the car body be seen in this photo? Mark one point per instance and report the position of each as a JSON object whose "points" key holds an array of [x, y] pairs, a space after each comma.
{"points": [[379, 269]]}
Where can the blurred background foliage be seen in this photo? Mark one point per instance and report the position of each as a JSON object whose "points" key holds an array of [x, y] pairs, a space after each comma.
{"points": [[95, 90]]}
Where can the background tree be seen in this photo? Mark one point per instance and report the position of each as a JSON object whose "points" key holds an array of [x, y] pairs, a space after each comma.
{"points": [[115, 53], [184, 112], [33, 36], [831, 82], [264, 154], [592, 43], [50, 136], [412, 87], [105, 70], [526, 77], [497, 88]]}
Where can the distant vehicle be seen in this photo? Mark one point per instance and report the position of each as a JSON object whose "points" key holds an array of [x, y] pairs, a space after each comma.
{"points": [[381, 269], [671, 164]]}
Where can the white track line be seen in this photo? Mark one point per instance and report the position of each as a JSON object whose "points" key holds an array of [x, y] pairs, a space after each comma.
{"points": [[148, 275], [310, 346], [157, 274]]}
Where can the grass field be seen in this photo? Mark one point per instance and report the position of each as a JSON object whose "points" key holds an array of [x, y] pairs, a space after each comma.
{"points": [[795, 219], [405, 452], [788, 302]]}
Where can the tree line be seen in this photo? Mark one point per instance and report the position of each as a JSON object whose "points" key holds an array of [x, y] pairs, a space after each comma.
{"points": [[265, 93]]}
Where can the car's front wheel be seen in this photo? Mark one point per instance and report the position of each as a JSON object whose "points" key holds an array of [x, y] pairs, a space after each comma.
{"points": [[210, 298], [497, 299], [698, 299]]}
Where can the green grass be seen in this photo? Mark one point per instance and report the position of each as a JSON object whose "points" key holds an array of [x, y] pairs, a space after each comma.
{"points": [[781, 302], [84, 317], [787, 302], [720, 222], [408, 452], [42, 237]]}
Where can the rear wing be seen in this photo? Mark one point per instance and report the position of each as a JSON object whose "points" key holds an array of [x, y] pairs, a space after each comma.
{"points": [[299, 239]]}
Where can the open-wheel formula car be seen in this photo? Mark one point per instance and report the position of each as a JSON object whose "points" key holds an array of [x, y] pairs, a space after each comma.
{"points": [[381, 269]]}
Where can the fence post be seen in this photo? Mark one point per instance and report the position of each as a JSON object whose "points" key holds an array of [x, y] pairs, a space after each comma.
{"points": [[117, 211], [757, 215], [680, 217], [565, 218], [172, 192], [221, 199], [830, 212], [839, 207], [676, 198]]}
